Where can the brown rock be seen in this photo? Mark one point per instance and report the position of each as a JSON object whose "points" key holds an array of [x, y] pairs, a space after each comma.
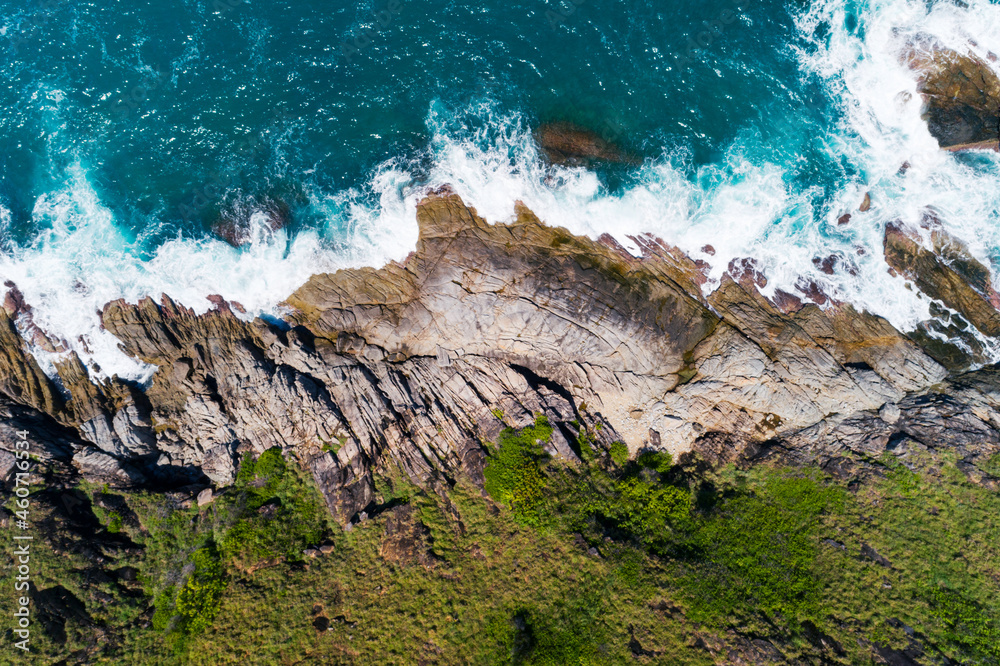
{"points": [[403, 367], [812, 291], [569, 144], [949, 275], [826, 264], [953, 277], [786, 302], [13, 301], [405, 539], [961, 95], [21, 379], [747, 271]]}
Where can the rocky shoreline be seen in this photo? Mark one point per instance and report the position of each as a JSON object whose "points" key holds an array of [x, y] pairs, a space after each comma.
{"points": [[401, 390], [414, 366]]}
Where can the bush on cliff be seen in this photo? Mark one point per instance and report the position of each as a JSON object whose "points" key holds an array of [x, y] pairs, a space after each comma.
{"points": [[278, 512], [513, 473], [198, 602]]}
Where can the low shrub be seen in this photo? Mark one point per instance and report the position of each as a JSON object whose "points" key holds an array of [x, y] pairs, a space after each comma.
{"points": [[513, 472]]}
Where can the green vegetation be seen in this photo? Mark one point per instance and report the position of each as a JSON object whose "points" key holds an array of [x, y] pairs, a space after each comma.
{"points": [[992, 466], [114, 522], [754, 552], [173, 566], [271, 514], [335, 447], [615, 561], [619, 453], [751, 550], [513, 474], [201, 597], [279, 514]]}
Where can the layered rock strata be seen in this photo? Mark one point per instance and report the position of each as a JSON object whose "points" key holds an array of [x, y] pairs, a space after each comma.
{"points": [[410, 368]]}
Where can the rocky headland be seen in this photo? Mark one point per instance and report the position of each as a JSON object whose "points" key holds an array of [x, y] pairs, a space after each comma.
{"points": [[415, 365], [413, 370], [407, 365]]}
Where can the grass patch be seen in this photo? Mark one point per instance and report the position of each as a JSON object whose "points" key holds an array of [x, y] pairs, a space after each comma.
{"points": [[754, 554], [637, 562], [992, 466]]}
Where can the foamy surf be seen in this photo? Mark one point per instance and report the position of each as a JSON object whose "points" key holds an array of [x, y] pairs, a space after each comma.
{"points": [[883, 128], [741, 206], [82, 260]]}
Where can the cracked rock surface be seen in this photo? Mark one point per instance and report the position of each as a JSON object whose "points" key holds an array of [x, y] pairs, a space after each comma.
{"points": [[413, 366]]}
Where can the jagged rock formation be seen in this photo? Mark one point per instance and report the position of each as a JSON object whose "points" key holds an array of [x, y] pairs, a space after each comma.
{"points": [[964, 301], [411, 367], [961, 95], [960, 416]]}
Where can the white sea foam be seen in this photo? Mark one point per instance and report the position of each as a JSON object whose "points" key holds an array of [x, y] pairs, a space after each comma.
{"points": [[744, 208], [740, 206], [883, 126], [83, 260]]}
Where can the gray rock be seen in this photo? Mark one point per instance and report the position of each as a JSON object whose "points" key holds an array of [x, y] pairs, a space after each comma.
{"points": [[101, 468], [403, 367], [205, 497], [890, 414], [870, 553], [7, 462]]}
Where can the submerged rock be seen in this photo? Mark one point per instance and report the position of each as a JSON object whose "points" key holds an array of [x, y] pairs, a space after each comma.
{"points": [[568, 144], [239, 226]]}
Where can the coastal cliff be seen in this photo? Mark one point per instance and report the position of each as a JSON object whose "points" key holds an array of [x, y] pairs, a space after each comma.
{"points": [[484, 326], [388, 388], [734, 473], [414, 365]]}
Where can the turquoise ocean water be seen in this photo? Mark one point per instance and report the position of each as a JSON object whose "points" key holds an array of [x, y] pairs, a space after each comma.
{"points": [[128, 131]]}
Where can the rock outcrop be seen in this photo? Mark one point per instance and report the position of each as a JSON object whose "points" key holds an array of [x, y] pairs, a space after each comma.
{"points": [[961, 96], [410, 368], [964, 301]]}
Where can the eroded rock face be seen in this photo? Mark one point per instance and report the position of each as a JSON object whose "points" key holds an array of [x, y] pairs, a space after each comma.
{"points": [[961, 94], [413, 366], [960, 415], [21, 378]]}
